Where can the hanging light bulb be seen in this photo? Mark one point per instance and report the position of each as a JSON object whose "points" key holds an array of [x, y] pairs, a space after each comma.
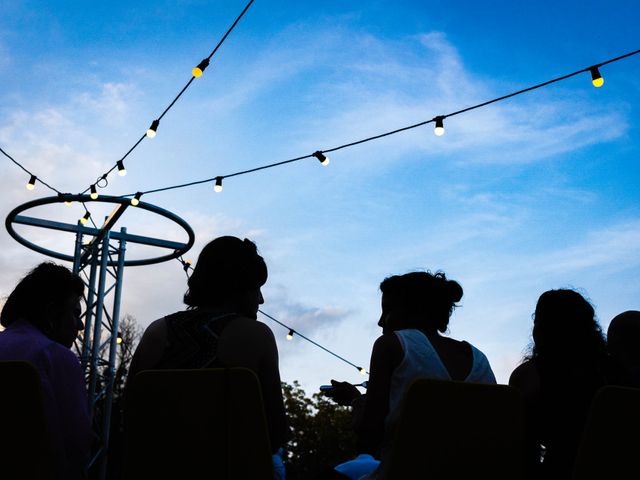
{"points": [[362, 371], [218, 186], [94, 192], [68, 202], [186, 265], [119, 340], [121, 170], [85, 219], [290, 335], [136, 199], [197, 71], [32, 182], [439, 128], [322, 158], [596, 78], [151, 132]]}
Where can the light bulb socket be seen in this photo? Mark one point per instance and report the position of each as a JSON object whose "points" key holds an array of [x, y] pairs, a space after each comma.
{"points": [[151, 132], [32, 182], [218, 185], [322, 158], [94, 192], [121, 170]]}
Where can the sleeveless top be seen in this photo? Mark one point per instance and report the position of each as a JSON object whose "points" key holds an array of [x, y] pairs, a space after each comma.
{"points": [[192, 339], [421, 360]]}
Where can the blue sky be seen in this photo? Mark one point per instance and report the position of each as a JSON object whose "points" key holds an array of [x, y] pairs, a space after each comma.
{"points": [[533, 193]]}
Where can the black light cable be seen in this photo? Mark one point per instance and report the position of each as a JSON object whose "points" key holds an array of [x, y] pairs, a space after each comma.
{"points": [[186, 266], [196, 72]]}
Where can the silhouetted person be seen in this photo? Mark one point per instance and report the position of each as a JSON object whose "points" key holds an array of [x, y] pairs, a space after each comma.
{"points": [[416, 308], [42, 320], [623, 345], [219, 327], [566, 366]]}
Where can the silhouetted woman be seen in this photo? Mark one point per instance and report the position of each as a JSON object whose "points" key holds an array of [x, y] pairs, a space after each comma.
{"points": [[219, 327], [42, 320], [566, 366], [416, 308], [623, 345]]}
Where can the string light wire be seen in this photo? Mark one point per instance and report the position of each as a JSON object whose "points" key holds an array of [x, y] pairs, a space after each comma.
{"points": [[157, 120], [186, 266], [437, 120], [31, 174]]}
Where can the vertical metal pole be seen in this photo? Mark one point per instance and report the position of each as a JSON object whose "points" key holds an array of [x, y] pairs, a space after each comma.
{"points": [[113, 346], [97, 330], [77, 254], [88, 318]]}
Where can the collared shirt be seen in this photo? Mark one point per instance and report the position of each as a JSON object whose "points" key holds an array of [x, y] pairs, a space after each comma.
{"points": [[64, 392]]}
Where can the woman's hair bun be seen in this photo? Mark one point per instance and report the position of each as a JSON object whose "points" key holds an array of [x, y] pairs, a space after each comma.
{"points": [[454, 290]]}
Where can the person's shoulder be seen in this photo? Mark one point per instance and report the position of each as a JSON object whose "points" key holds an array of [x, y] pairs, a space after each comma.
{"points": [[525, 374]]}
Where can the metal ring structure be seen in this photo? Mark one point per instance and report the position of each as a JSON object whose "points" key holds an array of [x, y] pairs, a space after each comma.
{"points": [[179, 249]]}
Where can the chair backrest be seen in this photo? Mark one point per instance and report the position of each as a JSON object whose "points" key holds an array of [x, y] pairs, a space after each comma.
{"points": [[24, 438], [206, 423], [458, 430], [610, 446]]}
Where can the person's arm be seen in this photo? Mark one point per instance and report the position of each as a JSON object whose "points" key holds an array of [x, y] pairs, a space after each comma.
{"points": [[369, 422], [150, 349], [269, 376], [71, 403]]}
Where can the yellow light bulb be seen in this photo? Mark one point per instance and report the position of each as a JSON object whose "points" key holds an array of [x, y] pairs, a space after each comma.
{"points": [[596, 78], [290, 335], [362, 371], [85, 219], [119, 340], [121, 170], [151, 131], [136, 199], [196, 72], [68, 202], [218, 186]]}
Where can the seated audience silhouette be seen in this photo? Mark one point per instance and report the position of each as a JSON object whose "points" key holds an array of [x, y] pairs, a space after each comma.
{"points": [[416, 308], [558, 379], [623, 345], [219, 327], [42, 319]]}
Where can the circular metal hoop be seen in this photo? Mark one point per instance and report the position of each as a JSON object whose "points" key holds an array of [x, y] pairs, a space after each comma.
{"points": [[181, 250]]}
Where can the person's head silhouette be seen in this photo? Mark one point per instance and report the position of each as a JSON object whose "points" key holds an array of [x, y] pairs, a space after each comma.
{"points": [[623, 341], [48, 297], [418, 300], [228, 275], [565, 326]]}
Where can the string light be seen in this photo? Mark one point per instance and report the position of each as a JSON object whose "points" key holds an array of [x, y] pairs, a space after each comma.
{"points": [[439, 128], [596, 78], [136, 199], [322, 158], [218, 186], [119, 340], [151, 132], [121, 170], [94, 192], [186, 265], [362, 371], [31, 184], [197, 71], [86, 217], [290, 334]]}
